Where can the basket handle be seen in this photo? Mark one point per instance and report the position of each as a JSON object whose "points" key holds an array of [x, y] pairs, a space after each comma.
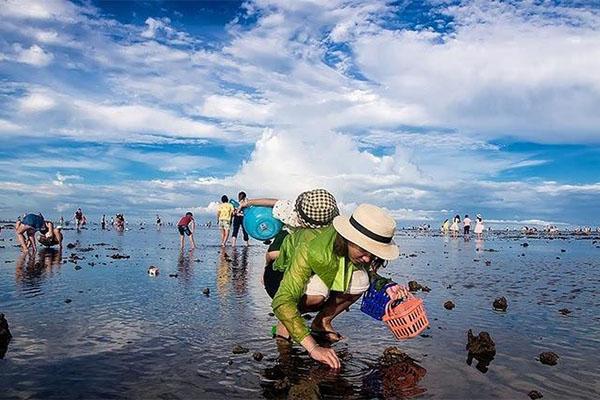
{"points": [[399, 293]]}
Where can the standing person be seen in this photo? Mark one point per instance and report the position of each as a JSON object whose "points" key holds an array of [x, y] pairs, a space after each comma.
{"points": [[454, 227], [479, 227], [224, 216], [466, 225], [328, 272], [158, 221], [26, 228], [445, 226], [103, 221], [78, 218], [238, 219], [187, 226], [120, 222]]}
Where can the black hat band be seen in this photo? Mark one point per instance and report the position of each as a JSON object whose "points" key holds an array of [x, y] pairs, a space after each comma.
{"points": [[368, 233]]}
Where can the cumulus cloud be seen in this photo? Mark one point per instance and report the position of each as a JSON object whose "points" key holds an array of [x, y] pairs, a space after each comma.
{"points": [[33, 55]]}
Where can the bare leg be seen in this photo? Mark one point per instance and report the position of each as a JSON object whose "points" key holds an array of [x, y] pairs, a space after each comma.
{"points": [[336, 303], [192, 241], [181, 241]]}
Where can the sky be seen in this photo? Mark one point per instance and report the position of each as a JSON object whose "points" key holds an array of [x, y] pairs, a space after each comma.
{"points": [[427, 108]]}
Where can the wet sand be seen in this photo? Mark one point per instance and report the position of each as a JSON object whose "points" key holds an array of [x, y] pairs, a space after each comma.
{"points": [[125, 334]]}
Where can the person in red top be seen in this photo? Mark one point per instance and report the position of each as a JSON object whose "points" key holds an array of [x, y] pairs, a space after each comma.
{"points": [[186, 226]]}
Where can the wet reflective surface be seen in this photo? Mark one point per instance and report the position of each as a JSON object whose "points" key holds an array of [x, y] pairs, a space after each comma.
{"points": [[124, 334]]}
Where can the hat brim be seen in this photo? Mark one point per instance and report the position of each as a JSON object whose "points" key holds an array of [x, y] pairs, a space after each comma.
{"points": [[385, 251]]}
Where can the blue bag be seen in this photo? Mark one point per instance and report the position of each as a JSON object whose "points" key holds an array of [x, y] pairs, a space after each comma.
{"points": [[260, 223]]}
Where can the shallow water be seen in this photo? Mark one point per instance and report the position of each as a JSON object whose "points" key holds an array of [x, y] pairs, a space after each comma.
{"points": [[128, 335]]}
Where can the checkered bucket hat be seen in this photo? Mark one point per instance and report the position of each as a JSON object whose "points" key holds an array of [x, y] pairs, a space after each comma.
{"points": [[316, 208]]}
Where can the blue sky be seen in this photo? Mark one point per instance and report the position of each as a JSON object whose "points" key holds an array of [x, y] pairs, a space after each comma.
{"points": [[427, 108]]}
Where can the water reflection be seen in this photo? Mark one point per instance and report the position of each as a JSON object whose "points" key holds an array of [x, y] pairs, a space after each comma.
{"points": [[296, 376], [31, 268], [394, 377], [185, 268], [239, 266]]}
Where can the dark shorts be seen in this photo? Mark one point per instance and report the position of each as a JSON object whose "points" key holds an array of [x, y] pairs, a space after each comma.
{"points": [[237, 224], [184, 229], [272, 279], [36, 221], [466, 229]]}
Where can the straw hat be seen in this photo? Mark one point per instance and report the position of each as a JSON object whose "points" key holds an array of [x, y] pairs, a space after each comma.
{"points": [[371, 228]]}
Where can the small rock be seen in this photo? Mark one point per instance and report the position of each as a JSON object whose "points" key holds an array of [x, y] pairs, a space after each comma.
{"points": [[525, 244], [71, 245], [562, 251], [449, 305], [237, 349], [500, 304], [257, 356], [549, 358], [425, 289], [68, 301], [481, 344], [281, 384], [488, 263], [117, 256], [271, 314], [173, 275], [206, 291], [5, 335], [534, 394], [564, 311], [77, 268]]}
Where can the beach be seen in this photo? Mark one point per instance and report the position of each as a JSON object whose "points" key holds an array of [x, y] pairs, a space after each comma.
{"points": [[93, 326]]}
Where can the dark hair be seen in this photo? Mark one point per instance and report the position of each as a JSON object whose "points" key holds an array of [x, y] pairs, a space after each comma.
{"points": [[224, 199], [466, 215], [241, 195], [340, 249], [189, 213]]}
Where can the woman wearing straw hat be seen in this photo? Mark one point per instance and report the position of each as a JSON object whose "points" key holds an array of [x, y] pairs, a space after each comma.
{"points": [[327, 272]]}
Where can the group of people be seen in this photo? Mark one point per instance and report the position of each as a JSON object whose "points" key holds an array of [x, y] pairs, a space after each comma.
{"points": [[454, 228], [319, 262]]}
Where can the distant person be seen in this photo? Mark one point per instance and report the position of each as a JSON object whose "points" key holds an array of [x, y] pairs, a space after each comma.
{"points": [[158, 221], [26, 229], [120, 222], [186, 226], [62, 221], [78, 217], [454, 228], [238, 220], [466, 224], [103, 222], [224, 216], [445, 226], [479, 226]]}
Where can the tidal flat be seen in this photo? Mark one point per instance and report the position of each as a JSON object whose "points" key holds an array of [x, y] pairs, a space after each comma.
{"points": [[91, 323]]}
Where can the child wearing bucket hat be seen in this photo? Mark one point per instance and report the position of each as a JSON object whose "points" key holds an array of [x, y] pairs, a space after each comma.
{"points": [[327, 271]]}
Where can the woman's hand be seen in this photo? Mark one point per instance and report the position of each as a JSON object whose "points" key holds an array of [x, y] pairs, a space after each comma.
{"points": [[326, 356], [396, 292]]}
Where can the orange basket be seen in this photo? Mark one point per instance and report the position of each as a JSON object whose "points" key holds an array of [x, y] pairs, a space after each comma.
{"points": [[406, 319]]}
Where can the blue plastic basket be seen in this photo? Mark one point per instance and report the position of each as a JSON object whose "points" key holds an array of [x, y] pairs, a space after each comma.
{"points": [[260, 223], [374, 301]]}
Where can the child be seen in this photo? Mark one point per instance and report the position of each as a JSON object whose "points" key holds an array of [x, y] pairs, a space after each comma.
{"points": [[224, 215], [184, 229]]}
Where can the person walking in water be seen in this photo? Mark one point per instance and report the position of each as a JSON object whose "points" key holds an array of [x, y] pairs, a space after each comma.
{"points": [[224, 216], [158, 221], [454, 228], [187, 226], [103, 221], [78, 218], [479, 227], [466, 225], [238, 219]]}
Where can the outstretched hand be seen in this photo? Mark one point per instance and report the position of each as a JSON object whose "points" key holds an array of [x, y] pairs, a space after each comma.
{"points": [[326, 356]]}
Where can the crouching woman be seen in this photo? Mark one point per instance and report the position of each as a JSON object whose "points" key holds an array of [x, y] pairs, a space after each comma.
{"points": [[329, 271]]}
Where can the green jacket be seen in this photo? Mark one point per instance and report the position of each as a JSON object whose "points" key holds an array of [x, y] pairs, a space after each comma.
{"points": [[304, 253]]}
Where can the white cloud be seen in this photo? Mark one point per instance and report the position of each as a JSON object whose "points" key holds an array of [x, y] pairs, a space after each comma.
{"points": [[36, 102], [8, 126], [239, 108], [33, 55]]}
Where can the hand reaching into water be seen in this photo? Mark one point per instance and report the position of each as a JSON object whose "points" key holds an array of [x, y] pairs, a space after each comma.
{"points": [[326, 356]]}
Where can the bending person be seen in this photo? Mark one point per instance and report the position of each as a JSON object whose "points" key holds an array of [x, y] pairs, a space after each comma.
{"points": [[26, 228], [328, 272]]}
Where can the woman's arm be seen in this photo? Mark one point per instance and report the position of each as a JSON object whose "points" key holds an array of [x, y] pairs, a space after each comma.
{"points": [[265, 202]]}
